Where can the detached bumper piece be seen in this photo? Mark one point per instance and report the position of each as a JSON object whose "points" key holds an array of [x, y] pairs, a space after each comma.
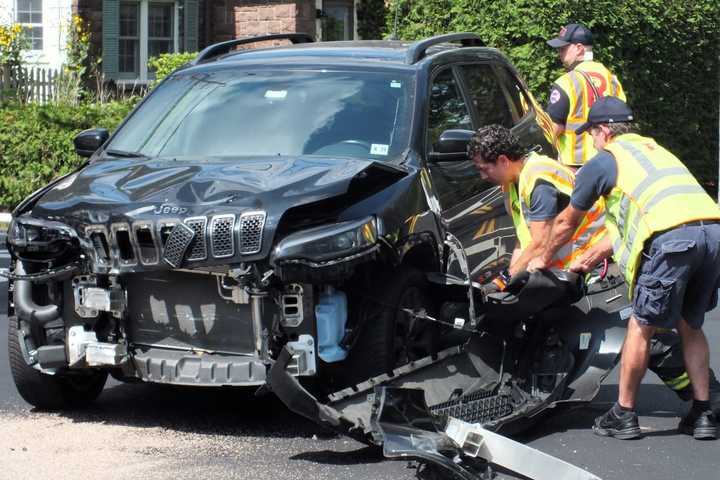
{"points": [[399, 419], [477, 442], [299, 400], [462, 450], [477, 407]]}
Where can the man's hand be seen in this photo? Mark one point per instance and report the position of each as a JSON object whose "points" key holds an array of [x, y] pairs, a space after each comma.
{"points": [[591, 258], [539, 233], [537, 263], [581, 265]]}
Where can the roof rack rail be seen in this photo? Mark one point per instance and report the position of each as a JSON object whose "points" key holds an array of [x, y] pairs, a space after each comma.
{"points": [[416, 50], [224, 47]]}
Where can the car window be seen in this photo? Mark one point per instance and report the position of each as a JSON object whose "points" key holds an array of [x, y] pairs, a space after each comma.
{"points": [[231, 113], [526, 108], [487, 96], [447, 107], [515, 91], [455, 182]]}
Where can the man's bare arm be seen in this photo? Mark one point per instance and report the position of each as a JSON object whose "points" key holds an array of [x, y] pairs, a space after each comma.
{"points": [[563, 228], [539, 231], [593, 256], [517, 251]]}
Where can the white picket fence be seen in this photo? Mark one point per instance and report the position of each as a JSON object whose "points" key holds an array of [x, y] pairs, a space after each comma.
{"points": [[31, 84]]}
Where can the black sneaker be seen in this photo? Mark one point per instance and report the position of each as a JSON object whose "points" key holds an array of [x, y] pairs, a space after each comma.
{"points": [[701, 426], [715, 395], [625, 427]]}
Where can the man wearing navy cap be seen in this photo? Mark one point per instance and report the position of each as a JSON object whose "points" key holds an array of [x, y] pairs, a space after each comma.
{"points": [[665, 235], [573, 94]]}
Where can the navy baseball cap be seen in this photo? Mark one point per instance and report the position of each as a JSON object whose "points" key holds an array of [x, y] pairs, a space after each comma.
{"points": [[572, 33], [607, 110]]}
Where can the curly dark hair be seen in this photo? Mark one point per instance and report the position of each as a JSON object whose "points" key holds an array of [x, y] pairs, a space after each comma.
{"points": [[494, 140]]}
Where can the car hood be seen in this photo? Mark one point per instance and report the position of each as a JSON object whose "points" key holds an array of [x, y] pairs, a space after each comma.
{"points": [[142, 187]]}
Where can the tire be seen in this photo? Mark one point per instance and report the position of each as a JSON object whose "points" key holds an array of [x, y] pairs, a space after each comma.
{"points": [[390, 337], [50, 392]]}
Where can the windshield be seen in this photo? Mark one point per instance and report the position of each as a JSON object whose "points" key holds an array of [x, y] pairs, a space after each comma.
{"points": [[269, 113]]}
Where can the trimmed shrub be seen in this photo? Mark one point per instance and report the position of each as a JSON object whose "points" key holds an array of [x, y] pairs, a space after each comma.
{"points": [[36, 142], [665, 53]]}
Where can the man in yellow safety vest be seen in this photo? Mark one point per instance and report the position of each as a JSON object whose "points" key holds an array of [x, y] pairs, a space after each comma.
{"points": [[665, 233], [573, 94], [536, 189], [535, 185]]}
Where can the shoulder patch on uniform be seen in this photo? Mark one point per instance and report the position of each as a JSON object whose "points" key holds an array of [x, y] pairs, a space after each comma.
{"points": [[554, 96]]}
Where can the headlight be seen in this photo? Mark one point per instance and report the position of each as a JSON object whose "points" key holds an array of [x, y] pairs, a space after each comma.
{"points": [[329, 242], [29, 235]]}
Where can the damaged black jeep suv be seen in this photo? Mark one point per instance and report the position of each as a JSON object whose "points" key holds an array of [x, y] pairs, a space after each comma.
{"points": [[308, 195]]}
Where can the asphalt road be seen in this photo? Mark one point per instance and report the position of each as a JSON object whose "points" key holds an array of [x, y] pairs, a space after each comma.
{"points": [[149, 431]]}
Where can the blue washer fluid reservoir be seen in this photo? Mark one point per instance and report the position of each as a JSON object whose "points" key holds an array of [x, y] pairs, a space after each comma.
{"points": [[331, 317]]}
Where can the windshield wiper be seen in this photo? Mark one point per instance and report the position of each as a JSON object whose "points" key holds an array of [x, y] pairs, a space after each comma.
{"points": [[124, 154]]}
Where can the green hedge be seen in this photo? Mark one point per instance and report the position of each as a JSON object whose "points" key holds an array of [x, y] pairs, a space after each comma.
{"points": [[167, 63], [665, 53], [36, 142], [371, 18]]}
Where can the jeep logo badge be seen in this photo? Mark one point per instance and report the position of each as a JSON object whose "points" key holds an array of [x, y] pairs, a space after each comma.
{"points": [[166, 209]]}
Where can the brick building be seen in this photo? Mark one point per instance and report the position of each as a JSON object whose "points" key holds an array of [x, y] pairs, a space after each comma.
{"points": [[128, 32]]}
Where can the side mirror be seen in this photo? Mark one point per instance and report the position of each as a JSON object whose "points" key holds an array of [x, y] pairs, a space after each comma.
{"points": [[452, 145], [88, 141]]}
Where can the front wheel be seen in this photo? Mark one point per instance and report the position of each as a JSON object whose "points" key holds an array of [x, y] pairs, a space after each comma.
{"points": [[50, 392], [389, 336]]}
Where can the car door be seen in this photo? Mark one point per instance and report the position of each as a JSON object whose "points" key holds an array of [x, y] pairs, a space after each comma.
{"points": [[472, 209], [530, 122]]}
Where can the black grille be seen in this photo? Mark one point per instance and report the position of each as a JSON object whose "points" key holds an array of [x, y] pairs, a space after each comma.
{"points": [[221, 236], [177, 244], [165, 230], [151, 241], [198, 248], [124, 246], [146, 244], [101, 246], [479, 407], [251, 230]]}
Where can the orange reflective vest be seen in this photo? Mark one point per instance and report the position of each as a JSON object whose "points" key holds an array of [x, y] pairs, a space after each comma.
{"points": [[585, 83], [539, 167]]}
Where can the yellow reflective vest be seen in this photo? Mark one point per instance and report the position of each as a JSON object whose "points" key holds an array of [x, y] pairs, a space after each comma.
{"points": [[576, 149], [654, 192], [539, 167]]}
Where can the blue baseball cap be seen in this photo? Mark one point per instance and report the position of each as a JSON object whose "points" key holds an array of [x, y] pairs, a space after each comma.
{"points": [[607, 110], [572, 33]]}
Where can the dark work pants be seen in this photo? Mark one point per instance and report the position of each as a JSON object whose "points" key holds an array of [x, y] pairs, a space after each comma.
{"points": [[666, 361]]}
